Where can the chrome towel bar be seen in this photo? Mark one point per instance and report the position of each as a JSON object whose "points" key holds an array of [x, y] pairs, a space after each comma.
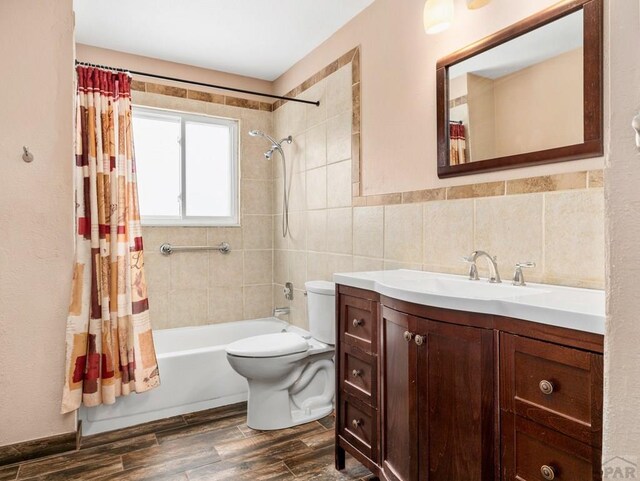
{"points": [[168, 249]]}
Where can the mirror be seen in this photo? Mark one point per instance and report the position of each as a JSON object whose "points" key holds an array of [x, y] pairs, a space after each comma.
{"points": [[527, 95]]}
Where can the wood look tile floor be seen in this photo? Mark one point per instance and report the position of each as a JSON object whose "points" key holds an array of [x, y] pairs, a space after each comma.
{"points": [[208, 445]]}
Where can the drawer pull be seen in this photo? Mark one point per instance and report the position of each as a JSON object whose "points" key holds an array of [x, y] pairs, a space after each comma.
{"points": [[419, 339], [408, 336], [356, 423], [356, 373], [548, 472], [357, 322], [546, 387]]}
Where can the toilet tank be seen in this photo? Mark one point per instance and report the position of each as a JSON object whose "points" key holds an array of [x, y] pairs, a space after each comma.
{"points": [[321, 306]]}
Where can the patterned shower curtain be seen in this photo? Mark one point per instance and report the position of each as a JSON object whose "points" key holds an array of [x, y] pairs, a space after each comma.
{"points": [[457, 143], [110, 349]]}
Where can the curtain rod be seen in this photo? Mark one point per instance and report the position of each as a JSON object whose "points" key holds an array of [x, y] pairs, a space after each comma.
{"points": [[202, 84]]}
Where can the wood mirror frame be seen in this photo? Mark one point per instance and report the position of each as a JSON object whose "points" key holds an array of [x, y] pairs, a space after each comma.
{"points": [[592, 145]]}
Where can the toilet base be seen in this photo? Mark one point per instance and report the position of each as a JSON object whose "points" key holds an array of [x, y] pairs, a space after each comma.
{"points": [[297, 417]]}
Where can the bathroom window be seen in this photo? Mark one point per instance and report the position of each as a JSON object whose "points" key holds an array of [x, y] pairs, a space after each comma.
{"points": [[187, 168]]}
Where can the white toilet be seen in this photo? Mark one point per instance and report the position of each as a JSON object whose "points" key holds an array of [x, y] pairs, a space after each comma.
{"points": [[291, 374]]}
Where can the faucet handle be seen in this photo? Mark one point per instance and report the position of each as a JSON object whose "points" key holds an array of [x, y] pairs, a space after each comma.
{"points": [[518, 276]]}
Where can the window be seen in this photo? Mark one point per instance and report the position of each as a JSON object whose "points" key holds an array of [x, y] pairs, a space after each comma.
{"points": [[187, 168]]}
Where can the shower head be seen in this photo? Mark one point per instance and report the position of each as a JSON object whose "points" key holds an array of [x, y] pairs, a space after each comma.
{"points": [[274, 143]]}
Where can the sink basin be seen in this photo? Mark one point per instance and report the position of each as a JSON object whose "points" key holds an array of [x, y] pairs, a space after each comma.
{"points": [[465, 288]]}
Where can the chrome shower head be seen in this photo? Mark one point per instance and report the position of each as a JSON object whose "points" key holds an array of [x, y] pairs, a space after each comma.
{"points": [[268, 154]]}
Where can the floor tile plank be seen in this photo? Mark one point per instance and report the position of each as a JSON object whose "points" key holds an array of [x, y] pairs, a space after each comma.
{"points": [[9, 473]]}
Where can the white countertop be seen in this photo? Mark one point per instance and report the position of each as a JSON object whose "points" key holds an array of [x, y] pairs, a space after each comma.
{"points": [[573, 308]]}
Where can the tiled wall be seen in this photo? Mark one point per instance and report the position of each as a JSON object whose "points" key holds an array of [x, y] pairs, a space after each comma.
{"points": [[194, 288], [556, 221]]}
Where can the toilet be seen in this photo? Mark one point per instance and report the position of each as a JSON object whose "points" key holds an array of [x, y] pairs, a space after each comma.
{"points": [[291, 374]]}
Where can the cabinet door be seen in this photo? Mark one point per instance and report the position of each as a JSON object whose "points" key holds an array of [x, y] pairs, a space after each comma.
{"points": [[399, 434], [457, 410]]}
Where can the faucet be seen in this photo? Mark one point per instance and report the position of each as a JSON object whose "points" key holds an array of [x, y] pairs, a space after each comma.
{"points": [[281, 311], [494, 275]]}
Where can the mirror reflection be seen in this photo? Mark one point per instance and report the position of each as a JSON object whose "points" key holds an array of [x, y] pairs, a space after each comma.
{"points": [[524, 95]]}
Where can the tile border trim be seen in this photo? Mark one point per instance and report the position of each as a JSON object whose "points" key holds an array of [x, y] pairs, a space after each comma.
{"points": [[201, 95]]}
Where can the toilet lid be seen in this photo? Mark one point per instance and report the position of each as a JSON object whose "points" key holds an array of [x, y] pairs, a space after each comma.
{"points": [[268, 345]]}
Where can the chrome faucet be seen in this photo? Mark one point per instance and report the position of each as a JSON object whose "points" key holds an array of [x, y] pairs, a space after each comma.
{"points": [[494, 275]]}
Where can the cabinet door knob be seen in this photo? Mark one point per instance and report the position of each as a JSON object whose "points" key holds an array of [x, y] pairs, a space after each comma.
{"points": [[419, 339], [356, 423], [408, 336], [547, 472], [546, 387], [356, 372], [357, 322]]}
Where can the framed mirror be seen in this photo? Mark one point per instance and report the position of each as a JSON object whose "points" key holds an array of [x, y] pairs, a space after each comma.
{"points": [[529, 94]]}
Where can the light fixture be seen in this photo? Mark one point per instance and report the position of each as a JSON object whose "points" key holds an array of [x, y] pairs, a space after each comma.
{"points": [[438, 15], [473, 4]]}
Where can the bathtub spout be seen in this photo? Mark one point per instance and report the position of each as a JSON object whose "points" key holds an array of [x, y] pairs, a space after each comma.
{"points": [[324, 399]]}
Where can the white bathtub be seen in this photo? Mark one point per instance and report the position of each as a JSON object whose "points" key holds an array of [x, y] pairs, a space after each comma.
{"points": [[194, 375]]}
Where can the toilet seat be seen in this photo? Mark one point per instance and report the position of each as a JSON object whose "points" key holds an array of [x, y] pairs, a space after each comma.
{"points": [[269, 345]]}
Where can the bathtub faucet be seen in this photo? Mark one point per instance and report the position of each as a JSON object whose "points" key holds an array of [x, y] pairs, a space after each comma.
{"points": [[281, 311]]}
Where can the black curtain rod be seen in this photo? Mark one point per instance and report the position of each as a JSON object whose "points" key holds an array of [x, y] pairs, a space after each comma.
{"points": [[202, 84]]}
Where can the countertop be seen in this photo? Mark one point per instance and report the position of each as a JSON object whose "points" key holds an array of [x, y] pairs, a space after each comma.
{"points": [[569, 307]]}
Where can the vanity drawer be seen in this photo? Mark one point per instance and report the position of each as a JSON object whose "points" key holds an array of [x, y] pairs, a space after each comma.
{"points": [[357, 426], [532, 452], [358, 322], [556, 386], [358, 375]]}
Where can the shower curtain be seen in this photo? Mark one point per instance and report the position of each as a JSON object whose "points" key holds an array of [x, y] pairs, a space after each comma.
{"points": [[458, 144], [110, 349]]}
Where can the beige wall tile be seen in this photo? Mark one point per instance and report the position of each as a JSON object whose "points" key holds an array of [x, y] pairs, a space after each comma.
{"points": [[225, 304], [189, 270], [188, 307], [297, 119], [338, 263], [280, 267], [510, 228], [194, 236], [339, 184], [339, 137], [316, 154], [258, 301], [393, 265], [297, 237], [361, 264], [487, 189], [317, 188], [298, 268], [154, 237], [296, 154], [403, 233], [278, 196], [258, 267], [256, 196], [340, 231], [318, 267], [596, 178], [316, 114], [226, 270], [231, 235], [253, 163], [159, 309], [258, 231], [448, 232], [297, 192], [279, 242], [368, 231], [339, 91], [574, 237], [317, 230], [157, 271]]}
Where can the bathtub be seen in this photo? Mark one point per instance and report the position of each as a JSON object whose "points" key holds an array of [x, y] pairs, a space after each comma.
{"points": [[194, 375]]}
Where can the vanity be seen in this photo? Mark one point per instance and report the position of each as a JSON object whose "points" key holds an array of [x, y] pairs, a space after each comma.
{"points": [[448, 379]]}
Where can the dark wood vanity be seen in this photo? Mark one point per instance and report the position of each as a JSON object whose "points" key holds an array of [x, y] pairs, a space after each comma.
{"points": [[434, 394]]}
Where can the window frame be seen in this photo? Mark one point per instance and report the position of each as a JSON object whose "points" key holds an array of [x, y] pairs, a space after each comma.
{"points": [[184, 220]]}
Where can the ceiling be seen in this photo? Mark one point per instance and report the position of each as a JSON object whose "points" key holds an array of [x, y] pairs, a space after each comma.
{"points": [[256, 38], [543, 43]]}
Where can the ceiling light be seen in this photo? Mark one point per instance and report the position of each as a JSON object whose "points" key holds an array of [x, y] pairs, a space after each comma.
{"points": [[438, 15], [473, 4]]}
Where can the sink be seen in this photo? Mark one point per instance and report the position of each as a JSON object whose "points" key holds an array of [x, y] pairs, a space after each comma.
{"points": [[465, 288]]}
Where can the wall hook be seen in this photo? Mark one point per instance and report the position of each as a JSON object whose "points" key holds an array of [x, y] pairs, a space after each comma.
{"points": [[26, 155]]}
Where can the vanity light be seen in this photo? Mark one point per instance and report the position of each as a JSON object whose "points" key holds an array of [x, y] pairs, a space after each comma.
{"points": [[438, 15], [473, 4]]}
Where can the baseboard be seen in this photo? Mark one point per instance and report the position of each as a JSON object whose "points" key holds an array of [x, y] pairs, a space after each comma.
{"points": [[38, 448]]}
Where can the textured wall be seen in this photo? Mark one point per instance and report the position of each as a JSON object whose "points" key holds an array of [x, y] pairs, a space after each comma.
{"points": [[36, 214], [622, 356]]}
